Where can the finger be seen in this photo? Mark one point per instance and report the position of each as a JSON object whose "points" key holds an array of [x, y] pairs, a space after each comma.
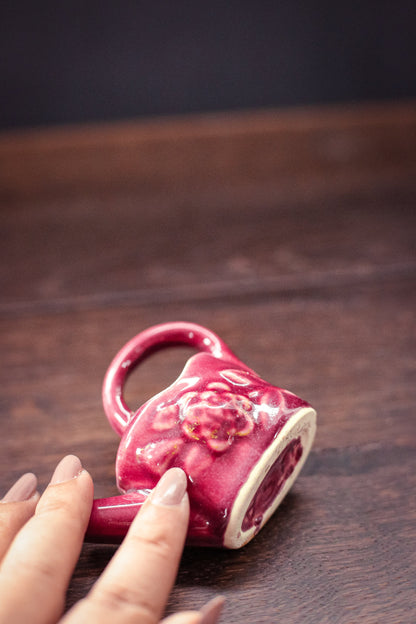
{"points": [[16, 507], [183, 617], [136, 584], [209, 614], [40, 561], [211, 610]]}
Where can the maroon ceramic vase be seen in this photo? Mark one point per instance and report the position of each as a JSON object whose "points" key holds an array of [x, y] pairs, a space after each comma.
{"points": [[241, 441]]}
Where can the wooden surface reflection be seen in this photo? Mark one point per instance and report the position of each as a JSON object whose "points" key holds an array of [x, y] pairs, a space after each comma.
{"points": [[291, 235]]}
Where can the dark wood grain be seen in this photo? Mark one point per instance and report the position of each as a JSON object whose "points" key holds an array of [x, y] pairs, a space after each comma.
{"points": [[292, 236]]}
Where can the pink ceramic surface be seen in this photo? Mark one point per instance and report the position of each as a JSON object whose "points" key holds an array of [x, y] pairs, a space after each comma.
{"points": [[240, 440]]}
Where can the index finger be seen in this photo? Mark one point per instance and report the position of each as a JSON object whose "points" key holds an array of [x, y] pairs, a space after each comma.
{"points": [[136, 584]]}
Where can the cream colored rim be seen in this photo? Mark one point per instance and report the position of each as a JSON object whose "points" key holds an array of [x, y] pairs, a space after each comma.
{"points": [[303, 425]]}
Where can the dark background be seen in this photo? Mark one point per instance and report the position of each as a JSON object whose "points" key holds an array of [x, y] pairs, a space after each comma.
{"points": [[85, 60]]}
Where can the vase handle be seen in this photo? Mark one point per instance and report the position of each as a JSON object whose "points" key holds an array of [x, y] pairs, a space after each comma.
{"points": [[141, 346]]}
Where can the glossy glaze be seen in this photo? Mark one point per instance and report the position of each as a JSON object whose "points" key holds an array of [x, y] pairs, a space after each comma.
{"points": [[229, 430]]}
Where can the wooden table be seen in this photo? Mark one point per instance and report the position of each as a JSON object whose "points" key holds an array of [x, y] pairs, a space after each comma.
{"points": [[292, 235]]}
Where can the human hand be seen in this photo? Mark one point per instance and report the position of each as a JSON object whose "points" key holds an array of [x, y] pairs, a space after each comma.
{"points": [[41, 539]]}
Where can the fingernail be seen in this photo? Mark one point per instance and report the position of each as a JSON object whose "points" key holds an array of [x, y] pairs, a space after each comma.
{"points": [[68, 468], [22, 490], [211, 611], [171, 488]]}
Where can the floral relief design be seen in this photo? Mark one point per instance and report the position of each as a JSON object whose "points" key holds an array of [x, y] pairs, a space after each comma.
{"points": [[197, 427], [200, 425], [216, 418]]}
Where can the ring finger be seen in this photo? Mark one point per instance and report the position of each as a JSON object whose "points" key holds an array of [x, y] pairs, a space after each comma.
{"points": [[16, 507]]}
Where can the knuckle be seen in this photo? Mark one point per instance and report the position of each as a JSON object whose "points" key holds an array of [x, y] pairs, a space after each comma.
{"points": [[133, 601], [63, 511], [44, 571], [59, 505], [157, 543], [124, 601], [53, 504]]}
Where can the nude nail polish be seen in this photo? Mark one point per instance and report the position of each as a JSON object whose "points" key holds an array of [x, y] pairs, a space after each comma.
{"points": [[22, 490], [171, 488], [211, 611], [68, 468]]}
